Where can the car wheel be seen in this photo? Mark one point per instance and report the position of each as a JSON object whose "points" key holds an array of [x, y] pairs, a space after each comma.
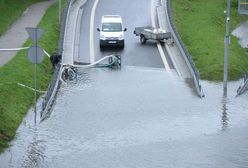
{"points": [[142, 39], [101, 47]]}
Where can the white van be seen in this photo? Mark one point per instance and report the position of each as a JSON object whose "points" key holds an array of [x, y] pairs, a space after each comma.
{"points": [[111, 31]]}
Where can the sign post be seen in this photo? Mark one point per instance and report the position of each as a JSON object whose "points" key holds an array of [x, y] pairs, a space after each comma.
{"points": [[35, 55]]}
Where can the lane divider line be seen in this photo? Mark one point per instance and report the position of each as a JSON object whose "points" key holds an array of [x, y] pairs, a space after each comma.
{"points": [[92, 19], [160, 49]]}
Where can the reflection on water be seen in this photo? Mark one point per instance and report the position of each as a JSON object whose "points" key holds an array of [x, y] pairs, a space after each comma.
{"points": [[135, 117], [35, 154], [224, 113]]}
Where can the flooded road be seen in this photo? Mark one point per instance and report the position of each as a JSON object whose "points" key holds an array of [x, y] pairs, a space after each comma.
{"points": [[132, 118]]}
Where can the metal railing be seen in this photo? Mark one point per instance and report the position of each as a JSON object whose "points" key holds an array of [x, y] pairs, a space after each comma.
{"points": [[183, 49], [244, 85], [54, 85]]}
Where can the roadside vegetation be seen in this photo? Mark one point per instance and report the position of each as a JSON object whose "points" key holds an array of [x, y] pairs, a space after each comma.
{"points": [[10, 10], [15, 100], [201, 24]]}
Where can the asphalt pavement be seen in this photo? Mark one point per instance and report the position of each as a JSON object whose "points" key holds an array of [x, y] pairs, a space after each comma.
{"points": [[134, 14]]}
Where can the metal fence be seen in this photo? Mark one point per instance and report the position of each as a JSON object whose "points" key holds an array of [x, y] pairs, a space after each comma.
{"points": [[54, 85], [183, 49]]}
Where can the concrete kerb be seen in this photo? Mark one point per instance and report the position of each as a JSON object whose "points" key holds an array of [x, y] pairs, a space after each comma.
{"points": [[196, 81], [71, 31], [162, 24], [65, 31], [77, 30]]}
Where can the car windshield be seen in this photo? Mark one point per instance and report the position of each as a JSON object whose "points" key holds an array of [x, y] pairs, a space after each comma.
{"points": [[111, 27]]}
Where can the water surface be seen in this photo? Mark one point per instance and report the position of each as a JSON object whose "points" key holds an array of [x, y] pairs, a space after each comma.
{"points": [[132, 118]]}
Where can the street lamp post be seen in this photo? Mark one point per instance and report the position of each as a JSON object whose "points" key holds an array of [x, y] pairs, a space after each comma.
{"points": [[227, 42]]}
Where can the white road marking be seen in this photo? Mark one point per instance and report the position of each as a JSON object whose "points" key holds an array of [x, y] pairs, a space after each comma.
{"points": [[160, 49], [92, 19]]}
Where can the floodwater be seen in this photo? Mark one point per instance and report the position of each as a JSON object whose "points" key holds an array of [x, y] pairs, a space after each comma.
{"points": [[135, 118]]}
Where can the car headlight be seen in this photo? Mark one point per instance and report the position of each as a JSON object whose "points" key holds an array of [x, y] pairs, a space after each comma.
{"points": [[102, 37], [121, 37]]}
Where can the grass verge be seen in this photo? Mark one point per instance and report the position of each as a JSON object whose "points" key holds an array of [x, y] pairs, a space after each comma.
{"points": [[15, 100], [201, 24], [10, 10]]}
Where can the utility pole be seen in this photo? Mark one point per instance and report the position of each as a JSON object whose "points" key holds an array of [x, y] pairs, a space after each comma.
{"points": [[227, 42]]}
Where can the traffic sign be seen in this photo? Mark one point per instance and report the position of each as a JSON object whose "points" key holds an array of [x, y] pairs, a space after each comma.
{"points": [[35, 54], [34, 33]]}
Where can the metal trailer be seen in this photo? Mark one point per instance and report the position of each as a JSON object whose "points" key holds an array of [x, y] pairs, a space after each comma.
{"points": [[151, 33]]}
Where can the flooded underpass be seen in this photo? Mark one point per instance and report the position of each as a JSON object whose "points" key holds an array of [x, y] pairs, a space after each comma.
{"points": [[132, 118]]}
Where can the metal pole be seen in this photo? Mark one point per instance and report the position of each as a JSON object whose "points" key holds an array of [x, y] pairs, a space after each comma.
{"points": [[59, 10], [35, 80], [35, 95], [227, 41]]}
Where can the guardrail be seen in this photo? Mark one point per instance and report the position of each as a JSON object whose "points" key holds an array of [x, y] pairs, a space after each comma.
{"points": [[244, 86], [54, 85], [182, 48]]}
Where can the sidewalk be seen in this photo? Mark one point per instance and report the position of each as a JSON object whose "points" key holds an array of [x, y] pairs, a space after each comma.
{"points": [[16, 36]]}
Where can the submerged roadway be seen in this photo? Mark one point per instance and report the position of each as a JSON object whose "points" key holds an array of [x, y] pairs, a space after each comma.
{"points": [[140, 116]]}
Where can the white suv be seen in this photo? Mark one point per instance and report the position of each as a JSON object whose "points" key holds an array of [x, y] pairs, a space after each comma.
{"points": [[111, 31]]}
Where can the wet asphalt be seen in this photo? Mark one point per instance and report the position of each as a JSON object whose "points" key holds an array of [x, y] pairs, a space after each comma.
{"points": [[135, 117], [134, 14]]}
